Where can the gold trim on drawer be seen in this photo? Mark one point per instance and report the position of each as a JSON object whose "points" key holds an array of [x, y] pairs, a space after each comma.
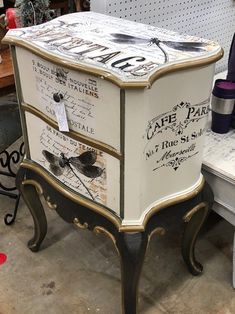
{"points": [[67, 192], [188, 216], [27, 164], [77, 136], [104, 74], [161, 206], [34, 183], [79, 224]]}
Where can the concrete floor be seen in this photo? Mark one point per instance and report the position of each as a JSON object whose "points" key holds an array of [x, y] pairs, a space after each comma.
{"points": [[78, 272]]}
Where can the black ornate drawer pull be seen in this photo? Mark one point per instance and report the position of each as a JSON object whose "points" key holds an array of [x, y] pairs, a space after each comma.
{"points": [[57, 97]]}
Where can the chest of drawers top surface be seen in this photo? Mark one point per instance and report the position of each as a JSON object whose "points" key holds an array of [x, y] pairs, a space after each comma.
{"points": [[123, 51]]}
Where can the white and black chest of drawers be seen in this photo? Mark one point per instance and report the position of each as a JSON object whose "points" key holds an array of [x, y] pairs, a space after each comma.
{"points": [[136, 99]]}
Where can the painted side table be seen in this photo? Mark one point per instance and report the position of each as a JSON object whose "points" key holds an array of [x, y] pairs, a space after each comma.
{"points": [[114, 116]]}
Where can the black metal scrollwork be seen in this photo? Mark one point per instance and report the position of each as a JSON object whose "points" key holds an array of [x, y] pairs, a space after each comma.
{"points": [[7, 163]]}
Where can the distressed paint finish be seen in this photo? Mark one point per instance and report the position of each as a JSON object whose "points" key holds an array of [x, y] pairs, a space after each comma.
{"points": [[156, 133], [101, 42]]}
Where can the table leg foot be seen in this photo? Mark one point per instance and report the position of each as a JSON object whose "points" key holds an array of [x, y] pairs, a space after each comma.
{"points": [[34, 244], [132, 248]]}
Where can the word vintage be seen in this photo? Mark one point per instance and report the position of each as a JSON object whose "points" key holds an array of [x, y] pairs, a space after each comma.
{"points": [[63, 40]]}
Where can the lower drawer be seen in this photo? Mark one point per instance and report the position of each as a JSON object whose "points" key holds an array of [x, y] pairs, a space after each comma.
{"points": [[94, 175]]}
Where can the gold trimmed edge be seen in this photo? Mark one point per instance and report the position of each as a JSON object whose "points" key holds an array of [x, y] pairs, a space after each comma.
{"points": [[188, 216], [159, 230], [35, 184], [102, 230], [75, 135], [69, 194], [186, 65], [105, 212], [122, 149], [110, 76], [161, 206], [51, 205], [186, 219], [80, 225]]}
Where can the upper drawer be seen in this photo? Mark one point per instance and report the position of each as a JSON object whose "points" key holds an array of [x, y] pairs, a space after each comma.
{"points": [[92, 104]]}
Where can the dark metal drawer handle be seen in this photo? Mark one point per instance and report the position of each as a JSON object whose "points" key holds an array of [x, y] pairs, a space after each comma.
{"points": [[57, 97]]}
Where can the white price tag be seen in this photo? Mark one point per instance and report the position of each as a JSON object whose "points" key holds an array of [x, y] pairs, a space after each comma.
{"points": [[61, 116], [1, 4]]}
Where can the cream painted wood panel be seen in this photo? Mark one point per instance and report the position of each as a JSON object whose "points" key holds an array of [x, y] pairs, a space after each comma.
{"points": [[104, 189], [165, 138], [92, 104]]}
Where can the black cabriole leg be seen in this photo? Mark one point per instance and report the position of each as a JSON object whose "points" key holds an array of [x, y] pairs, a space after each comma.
{"points": [[132, 248], [194, 220], [30, 192]]}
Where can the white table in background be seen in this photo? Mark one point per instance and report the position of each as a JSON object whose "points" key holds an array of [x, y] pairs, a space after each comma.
{"points": [[219, 171]]}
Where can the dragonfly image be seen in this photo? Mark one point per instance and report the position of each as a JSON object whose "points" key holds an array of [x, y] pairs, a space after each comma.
{"points": [[83, 163], [177, 45]]}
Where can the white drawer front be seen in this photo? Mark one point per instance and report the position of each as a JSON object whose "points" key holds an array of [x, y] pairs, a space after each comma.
{"points": [[92, 104], [99, 182]]}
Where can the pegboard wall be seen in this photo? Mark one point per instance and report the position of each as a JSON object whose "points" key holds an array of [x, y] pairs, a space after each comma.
{"points": [[210, 19]]}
